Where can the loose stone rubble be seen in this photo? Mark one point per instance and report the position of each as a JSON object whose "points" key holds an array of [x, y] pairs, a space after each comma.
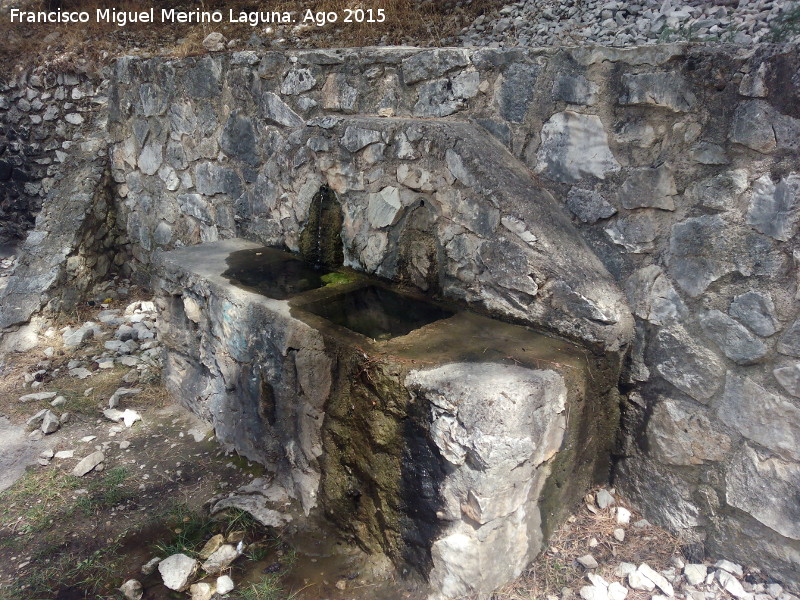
{"points": [[609, 22]]}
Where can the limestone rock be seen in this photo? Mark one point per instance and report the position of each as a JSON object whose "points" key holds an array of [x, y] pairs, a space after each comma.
{"points": [[756, 311], [384, 208], [589, 206], [637, 581], [789, 342], [588, 561], [276, 111], [657, 578], [604, 498], [575, 89], [730, 584], [88, 463], [211, 546], [681, 434], [653, 297], [132, 590], [695, 573], [356, 138], [224, 585], [430, 64], [668, 90], [238, 139], [220, 559], [749, 474], [37, 396], [516, 91], [775, 208], [719, 192], [730, 567], [177, 571], [201, 591], [766, 418], [574, 146], [214, 42], [649, 188], [789, 378], [338, 94], [752, 126], [735, 341], [297, 81], [50, 423], [688, 366]]}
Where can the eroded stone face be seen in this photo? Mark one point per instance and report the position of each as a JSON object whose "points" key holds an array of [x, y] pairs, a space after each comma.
{"points": [[495, 425], [753, 471], [574, 147]]}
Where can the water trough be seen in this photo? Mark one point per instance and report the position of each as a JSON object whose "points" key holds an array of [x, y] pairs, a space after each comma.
{"points": [[425, 432]]}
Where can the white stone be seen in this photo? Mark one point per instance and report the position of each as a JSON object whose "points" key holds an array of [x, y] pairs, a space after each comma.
{"points": [[623, 515], [588, 561], [604, 499], [695, 574], [201, 591], [132, 590], [177, 570], [88, 463], [224, 585], [637, 581], [617, 591], [220, 559], [657, 578], [574, 146], [730, 584], [383, 208]]}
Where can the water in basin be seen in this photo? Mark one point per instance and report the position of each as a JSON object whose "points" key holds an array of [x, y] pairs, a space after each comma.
{"points": [[377, 312], [273, 273]]}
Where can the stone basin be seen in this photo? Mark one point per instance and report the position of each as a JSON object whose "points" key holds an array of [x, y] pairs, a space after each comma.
{"points": [[437, 436]]}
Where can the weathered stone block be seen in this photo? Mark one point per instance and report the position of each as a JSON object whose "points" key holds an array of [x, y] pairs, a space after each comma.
{"points": [[668, 90], [775, 208], [687, 365], [574, 147], [750, 475], [761, 416]]}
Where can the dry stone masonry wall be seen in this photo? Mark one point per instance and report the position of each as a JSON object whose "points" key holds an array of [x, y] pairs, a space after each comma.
{"points": [[43, 114], [676, 165]]}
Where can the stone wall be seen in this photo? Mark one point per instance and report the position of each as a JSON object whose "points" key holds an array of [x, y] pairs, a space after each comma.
{"points": [[43, 113], [677, 164]]}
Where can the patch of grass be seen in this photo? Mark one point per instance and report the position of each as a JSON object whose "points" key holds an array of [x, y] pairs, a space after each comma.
{"points": [[106, 492], [269, 588], [337, 278], [191, 529], [28, 505], [90, 574]]}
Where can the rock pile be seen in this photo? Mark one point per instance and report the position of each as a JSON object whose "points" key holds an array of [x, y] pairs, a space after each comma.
{"points": [[707, 580], [614, 23]]}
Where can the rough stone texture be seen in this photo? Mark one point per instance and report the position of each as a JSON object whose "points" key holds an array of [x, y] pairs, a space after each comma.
{"points": [[690, 367], [741, 127], [682, 434], [574, 147], [772, 421], [756, 311], [733, 339], [775, 208], [495, 425], [751, 473]]}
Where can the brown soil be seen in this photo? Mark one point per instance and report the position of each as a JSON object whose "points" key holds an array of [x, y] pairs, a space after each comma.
{"points": [[88, 46]]}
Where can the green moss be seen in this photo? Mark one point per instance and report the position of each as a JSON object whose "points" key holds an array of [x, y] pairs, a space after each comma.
{"points": [[337, 278]]}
